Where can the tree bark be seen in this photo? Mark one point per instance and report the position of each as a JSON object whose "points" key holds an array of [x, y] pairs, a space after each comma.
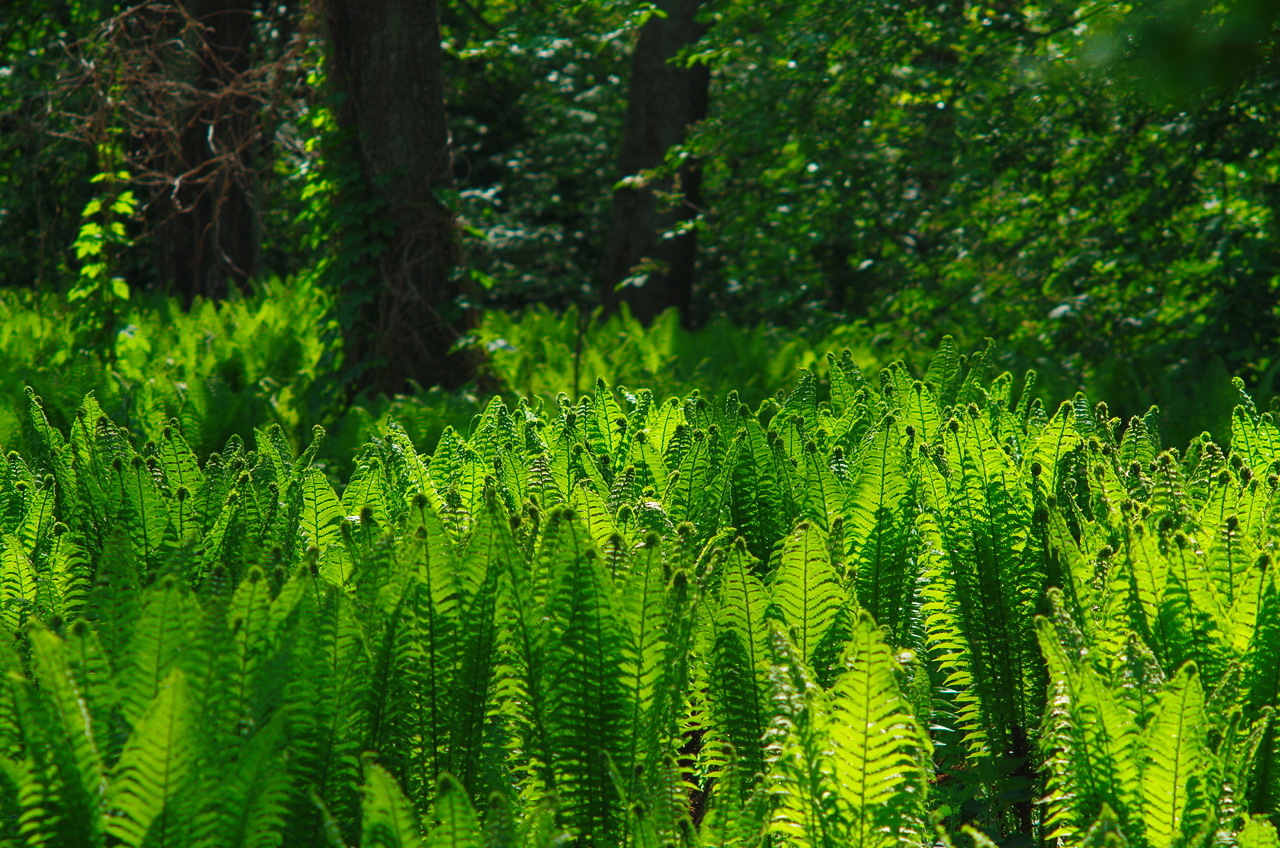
{"points": [[385, 62], [664, 100], [206, 225]]}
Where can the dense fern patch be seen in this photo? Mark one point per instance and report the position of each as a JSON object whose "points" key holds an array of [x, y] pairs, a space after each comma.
{"points": [[910, 609]]}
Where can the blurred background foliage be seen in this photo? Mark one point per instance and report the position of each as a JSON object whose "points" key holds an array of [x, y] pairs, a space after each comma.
{"points": [[1094, 185]]}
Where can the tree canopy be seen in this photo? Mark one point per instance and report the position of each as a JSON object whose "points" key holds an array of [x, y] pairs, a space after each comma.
{"points": [[1092, 183]]}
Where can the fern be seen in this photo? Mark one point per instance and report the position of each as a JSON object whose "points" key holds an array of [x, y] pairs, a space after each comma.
{"points": [[159, 639], [69, 705], [1176, 753], [877, 748], [583, 646], [806, 591], [386, 818], [154, 769], [696, 651], [740, 662], [878, 527], [1092, 746], [479, 653]]}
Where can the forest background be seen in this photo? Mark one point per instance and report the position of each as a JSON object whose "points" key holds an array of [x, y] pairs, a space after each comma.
{"points": [[328, 212]]}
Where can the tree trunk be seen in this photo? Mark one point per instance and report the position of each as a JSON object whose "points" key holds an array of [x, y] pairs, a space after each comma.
{"points": [[386, 63], [664, 100], [206, 225]]}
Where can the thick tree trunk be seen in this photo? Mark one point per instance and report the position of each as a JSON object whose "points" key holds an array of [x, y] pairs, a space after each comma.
{"points": [[206, 226], [386, 62], [664, 100]]}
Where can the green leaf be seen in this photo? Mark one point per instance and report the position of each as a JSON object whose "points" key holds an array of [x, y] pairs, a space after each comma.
{"points": [[806, 589], [454, 822], [154, 769], [877, 748], [1175, 753], [321, 510], [584, 647], [387, 819]]}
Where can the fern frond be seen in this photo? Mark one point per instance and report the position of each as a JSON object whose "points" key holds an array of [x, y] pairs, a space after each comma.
{"points": [[490, 545], [57, 679], [321, 511], [55, 797], [1258, 833], [807, 811], [945, 373], [330, 688], [453, 820], [820, 491], [37, 516], [1262, 673], [387, 819], [846, 381], [757, 505], [806, 589], [740, 661], [876, 746], [878, 528], [584, 643], [246, 801], [692, 495], [1092, 745], [1175, 753], [154, 770], [160, 636], [18, 584]]}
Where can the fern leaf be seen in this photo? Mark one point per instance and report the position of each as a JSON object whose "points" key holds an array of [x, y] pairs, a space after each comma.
{"points": [[692, 494], [802, 400], [69, 703], [159, 639], [154, 769], [945, 372], [806, 589], [1262, 672], [757, 506], [846, 381], [1175, 752], [454, 823], [1092, 744], [662, 423], [878, 528], [595, 512], [491, 543], [584, 646], [37, 517], [56, 796], [740, 663], [821, 492], [387, 819], [321, 511], [1258, 833], [807, 809], [997, 586], [246, 801], [607, 425], [18, 586], [414, 658], [332, 684], [1055, 440], [876, 746]]}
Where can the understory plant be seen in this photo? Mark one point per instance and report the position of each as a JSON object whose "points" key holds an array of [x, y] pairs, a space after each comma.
{"points": [[907, 610]]}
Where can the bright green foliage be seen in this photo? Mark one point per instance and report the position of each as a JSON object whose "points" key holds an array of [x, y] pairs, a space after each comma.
{"points": [[218, 368], [844, 620]]}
